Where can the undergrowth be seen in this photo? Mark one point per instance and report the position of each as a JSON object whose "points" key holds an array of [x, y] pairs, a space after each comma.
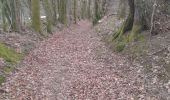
{"points": [[119, 44], [10, 55]]}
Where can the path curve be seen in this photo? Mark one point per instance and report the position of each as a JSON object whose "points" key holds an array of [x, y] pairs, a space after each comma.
{"points": [[74, 64]]}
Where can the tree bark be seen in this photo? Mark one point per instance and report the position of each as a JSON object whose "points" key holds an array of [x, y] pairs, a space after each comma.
{"points": [[36, 24], [128, 24], [54, 12], [17, 15], [62, 9], [75, 15], [47, 9]]}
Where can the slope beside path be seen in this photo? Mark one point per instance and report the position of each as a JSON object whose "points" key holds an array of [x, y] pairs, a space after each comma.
{"points": [[74, 64]]}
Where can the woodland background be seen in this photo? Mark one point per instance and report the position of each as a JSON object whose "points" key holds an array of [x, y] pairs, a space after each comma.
{"points": [[136, 29]]}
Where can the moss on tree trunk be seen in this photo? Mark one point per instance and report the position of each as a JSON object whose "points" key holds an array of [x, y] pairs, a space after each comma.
{"points": [[128, 24], [36, 24], [138, 25]]}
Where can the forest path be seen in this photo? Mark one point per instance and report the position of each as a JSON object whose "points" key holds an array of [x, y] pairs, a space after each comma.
{"points": [[74, 64]]}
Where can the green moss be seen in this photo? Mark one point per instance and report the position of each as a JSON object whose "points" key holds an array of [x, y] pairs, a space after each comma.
{"points": [[141, 37], [126, 26], [36, 22], [8, 69], [120, 47], [134, 33], [9, 55], [2, 79], [120, 43], [137, 28]]}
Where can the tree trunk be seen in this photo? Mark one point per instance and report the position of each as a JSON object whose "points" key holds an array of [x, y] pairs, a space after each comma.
{"points": [[36, 24], [89, 9], [122, 9], [17, 15], [4, 21], [83, 9], [104, 7], [75, 15], [48, 15], [97, 15], [62, 9], [54, 12], [128, 24]]}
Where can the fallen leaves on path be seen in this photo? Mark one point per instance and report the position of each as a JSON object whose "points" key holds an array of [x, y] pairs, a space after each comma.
{"points": [[74, 65]]}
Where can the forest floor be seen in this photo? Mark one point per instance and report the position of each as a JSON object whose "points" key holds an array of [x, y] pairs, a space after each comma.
{"points": [[153, 56], [76, 64]]}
